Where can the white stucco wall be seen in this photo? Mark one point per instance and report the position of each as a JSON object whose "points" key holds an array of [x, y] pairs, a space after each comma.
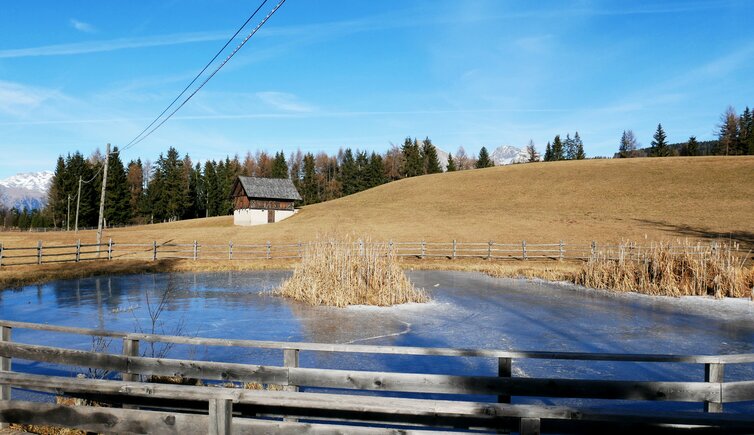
{"points": [[247, 217]]}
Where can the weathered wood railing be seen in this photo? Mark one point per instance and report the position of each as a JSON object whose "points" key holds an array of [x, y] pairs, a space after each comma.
{"points": [[240, 409], [43, 254]]}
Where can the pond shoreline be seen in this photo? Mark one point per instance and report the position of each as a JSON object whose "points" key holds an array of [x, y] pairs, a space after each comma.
{"points": [[562, 272]]}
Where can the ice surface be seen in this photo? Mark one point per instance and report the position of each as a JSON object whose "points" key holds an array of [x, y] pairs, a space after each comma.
{"points": [[468, 310]]}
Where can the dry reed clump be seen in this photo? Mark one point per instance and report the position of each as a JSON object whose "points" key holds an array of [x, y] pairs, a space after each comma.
{"points": [[346, 271], [683, 269]]}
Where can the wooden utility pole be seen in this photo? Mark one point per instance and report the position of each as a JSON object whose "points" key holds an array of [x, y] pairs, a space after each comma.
{"points": [[68, 215], [100, 221], [78, 204]]}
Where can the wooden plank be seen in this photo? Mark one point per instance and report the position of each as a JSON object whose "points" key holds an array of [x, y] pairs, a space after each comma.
{"points": [[713, 373], [5, 366], [742, 391], [504, 371], [393, 350], [102, 420], [130, 349], [220, 416], [291, 360]]}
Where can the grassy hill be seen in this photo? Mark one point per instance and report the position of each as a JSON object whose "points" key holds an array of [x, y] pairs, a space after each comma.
{"points": [[576, 201]]}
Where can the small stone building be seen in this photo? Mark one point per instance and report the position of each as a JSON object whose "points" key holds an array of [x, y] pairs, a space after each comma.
{"points": [[258, 201]]}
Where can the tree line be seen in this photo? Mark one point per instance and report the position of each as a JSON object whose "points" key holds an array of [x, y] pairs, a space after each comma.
{"points": [[173, 187], [735, 136]]}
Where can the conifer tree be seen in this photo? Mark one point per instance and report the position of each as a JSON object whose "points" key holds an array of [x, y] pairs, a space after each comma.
{"points": [[429, 157], [412, 161], [727, 143], [135, 180], [558, 153], [580, 154], [531, 152], [628, 144], [57, 197], [548, 153], [659, 143], [746, 132], [279, 166], [569, 148], [211, 189], [692, 147], [118, 209], [348, 173], [451, 164], [309, 182], [376, 171], [483, 161]]}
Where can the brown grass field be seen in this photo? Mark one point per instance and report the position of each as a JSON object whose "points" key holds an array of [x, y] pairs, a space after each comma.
{"points": [[575, 201]]}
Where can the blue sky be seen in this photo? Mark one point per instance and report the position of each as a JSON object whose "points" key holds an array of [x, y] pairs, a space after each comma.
{"points": [[360, 73]]}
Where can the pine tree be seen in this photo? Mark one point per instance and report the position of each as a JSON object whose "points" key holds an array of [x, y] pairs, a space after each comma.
{"points": [[429, 157], [569, 148], [279, 166], [412, 161], [628, 144], [659, 144], [548, 153], [135, 180], [118, 209], [376, 171], [728, 133], [451, 164], [531, 151], [348, 173], [483, 161], [746, 132], [211, 188], [580, 154], [309, 182], [692, 147], [558, 153], [57, 197]]}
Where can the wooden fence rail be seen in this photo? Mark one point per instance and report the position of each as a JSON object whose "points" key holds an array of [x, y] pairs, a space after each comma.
{"points": [[222, 410], [490, 250]]}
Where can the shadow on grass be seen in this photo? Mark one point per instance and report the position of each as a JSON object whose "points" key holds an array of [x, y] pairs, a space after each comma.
{"points": [[745, 238]]}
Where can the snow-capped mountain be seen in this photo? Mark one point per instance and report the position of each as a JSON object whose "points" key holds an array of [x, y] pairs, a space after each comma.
{"points": [[26, 190], [506, 155]]}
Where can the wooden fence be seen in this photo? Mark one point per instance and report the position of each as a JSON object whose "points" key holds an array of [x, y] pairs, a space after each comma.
{"points": [[43, 254], [321, 400]]}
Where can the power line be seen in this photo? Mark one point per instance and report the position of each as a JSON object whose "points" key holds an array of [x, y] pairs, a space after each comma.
{"points": [[200, 73], [142, 136]]}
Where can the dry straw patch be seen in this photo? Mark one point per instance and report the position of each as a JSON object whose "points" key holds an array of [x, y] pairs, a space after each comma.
{"points": [[346, 271], [681, 269]]}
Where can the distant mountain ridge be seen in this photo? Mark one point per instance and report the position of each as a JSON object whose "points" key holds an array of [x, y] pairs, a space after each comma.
{"points": [[25, 191], [502, 155]]}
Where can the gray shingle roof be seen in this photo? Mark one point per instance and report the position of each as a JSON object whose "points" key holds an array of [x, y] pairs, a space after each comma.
{"points": [[270, 188]]}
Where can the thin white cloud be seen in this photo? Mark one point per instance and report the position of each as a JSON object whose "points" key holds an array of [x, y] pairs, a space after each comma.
{"points": [[284, 101], [82, 26], [112, 45]]}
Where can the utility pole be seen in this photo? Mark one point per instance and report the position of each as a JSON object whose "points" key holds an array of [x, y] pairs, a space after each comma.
{"points": [[78, 204], [102, 199], [68, 215]]}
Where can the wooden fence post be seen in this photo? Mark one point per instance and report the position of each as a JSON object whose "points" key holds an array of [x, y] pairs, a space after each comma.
{"points": [[269, 248], [130, 348], [290, 360], [504, 370], [523, 249], [594, 248], [154, 250], [489, 250], [424, 249], [5, 367], [196, 250], [110, 249], [562, 251], [78, 250], [389, 249], [220, 416], [713, 372], [529, 426], [361, 247], [2, 248], [39, 252], [230, 250], [300, 252], [454, 250]]}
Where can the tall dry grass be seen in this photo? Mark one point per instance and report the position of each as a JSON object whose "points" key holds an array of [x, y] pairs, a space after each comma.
{"points": [[681, 269], [342, 271]]}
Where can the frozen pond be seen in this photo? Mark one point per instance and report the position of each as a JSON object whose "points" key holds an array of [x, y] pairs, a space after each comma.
{"points": [[469, 310]]}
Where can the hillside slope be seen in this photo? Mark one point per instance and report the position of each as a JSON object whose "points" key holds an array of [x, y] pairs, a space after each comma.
{"points": [[576, 201]]}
